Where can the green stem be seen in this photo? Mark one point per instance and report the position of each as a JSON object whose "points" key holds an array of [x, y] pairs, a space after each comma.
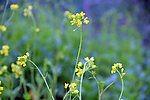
{"points": [[98, 88], [43, 78], [122, 85], [80, 97], [6, 23], [80, 46], [4, 12], [66, 95], [24, 83], [105, 89]]}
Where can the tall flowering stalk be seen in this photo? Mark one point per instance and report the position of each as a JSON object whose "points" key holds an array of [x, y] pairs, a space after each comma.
{"points": [[22, 62], [77, 20], [115, 68]]}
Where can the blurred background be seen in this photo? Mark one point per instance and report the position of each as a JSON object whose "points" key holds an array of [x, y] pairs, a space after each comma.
{"points": [[118, 31]]}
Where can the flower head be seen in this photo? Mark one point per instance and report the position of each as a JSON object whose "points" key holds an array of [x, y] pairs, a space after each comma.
{"points": [[16, 69], [22, 60], [14, 6], [115, 68], [4, 50], [3, 28], [66, 85], [37, 30], [77, 19], [27, 11]]}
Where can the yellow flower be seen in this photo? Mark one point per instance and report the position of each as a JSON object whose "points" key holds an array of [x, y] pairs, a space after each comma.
{"points": [[73, 22], [80, 64], [4, 67], [23, 59], [112, 71], [123, 74], [77, 19], [1, 72], [3, 28], [66, 85], [73, 16], [120, 65], [92, 59], [27, 53], [16, 76], [30, 7], [86, 21], [87, 59], [37, 30], [73, 85], [4, 50], [75, 91], [1, 88], [27, 11], [82, 14], [76, 69], [14, 6], [93, 66], [79, 23]]}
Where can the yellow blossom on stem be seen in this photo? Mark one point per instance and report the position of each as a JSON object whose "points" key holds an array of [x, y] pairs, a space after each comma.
{"points": [[4, 68], [4, 50], [87, 59], [80, 64], [77, 19], [37, 30], [75, 91], [30, 7], [3, 28], [66, 85], [93, 66], [16, 69], [22, 60], [73, 85], [14, 6]]}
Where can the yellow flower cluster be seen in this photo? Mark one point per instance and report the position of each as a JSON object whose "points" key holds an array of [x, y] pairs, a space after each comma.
{"points": [[14, 6], [3, 28], [37, 30], [27, 11], [77, 19], [3, 69], [115, 68], [88, 65], [22, 60], [1, 88], [4, 50], [16, 70], [73, 87]]}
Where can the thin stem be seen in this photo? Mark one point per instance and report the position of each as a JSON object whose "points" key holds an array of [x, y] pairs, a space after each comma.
{"points": [[6, 23], [4, 12], [98, 88], [43, 79], [24, 84], [106, 88], [66, 95], [80, 97], [122, 85], [80, 46]]}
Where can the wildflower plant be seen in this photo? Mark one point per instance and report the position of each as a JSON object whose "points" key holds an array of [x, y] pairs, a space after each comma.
{"points": [[117, 67], [5, 50]]}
